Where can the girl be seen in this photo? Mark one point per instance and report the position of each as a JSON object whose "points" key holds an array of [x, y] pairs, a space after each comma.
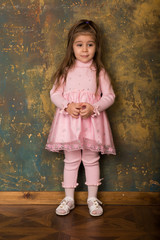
{"points": [[81, 92]]}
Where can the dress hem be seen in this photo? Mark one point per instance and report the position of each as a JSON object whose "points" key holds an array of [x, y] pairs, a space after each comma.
{"points": [[101, 149]]}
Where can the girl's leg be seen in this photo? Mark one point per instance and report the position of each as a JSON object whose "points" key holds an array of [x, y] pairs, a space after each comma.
{"points": [[71, 165], [69, 192], [91, 164], [92, 170], [92, 191]]}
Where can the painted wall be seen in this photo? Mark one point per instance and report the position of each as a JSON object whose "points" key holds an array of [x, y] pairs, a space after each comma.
{"points": [[32, 41]]}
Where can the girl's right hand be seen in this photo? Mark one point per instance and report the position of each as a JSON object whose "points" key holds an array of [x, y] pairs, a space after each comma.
{"points": [[73, 109]]}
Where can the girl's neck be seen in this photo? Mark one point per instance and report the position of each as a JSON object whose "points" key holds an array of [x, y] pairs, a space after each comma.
{"points": [[82, 64]]}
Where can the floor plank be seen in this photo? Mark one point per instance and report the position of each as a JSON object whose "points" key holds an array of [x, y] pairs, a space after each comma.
{"points": [[39, 222]]}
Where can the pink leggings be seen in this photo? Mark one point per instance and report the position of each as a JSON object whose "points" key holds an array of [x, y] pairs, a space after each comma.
{"points": [[71, 165]]}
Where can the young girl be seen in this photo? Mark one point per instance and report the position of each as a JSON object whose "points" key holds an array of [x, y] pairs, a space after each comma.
{"points": [[81, 92]]}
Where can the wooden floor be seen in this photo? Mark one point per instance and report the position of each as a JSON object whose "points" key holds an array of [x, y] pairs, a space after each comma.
{"points": [[27, 222]]}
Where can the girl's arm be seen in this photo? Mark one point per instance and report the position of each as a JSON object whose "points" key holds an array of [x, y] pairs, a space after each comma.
{"points": [[108, 95], [68, 108], [57, 97]]}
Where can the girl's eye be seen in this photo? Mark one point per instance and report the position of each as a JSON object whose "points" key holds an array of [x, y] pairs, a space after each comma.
{"points": [[79, 45], [90, 44]]}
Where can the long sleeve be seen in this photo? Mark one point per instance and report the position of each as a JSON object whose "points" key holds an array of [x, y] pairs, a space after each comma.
{"points": [[108, 95], [57, 97]]}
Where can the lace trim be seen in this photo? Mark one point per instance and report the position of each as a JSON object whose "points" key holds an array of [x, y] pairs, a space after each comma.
{"points": [[63, 109], [96, 112], [97, 184], [72, 186], [56, 147]]}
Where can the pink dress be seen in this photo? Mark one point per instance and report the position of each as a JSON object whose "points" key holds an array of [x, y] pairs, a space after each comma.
{"points": [[94, 133]]}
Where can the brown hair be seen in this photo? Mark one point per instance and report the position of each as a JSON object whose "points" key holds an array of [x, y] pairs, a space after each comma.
{"points": [[81, 27]]}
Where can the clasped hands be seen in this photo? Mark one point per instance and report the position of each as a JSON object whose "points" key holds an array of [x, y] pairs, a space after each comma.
{"points": [[84, 110]]}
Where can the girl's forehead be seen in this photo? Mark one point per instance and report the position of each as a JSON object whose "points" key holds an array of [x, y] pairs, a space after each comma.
{"points": [[84, 37]]}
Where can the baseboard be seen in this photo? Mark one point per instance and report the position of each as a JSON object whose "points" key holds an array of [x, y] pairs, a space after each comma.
{"points": [[110, 198]]}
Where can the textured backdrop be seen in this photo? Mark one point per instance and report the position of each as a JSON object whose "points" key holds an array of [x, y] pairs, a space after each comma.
{"points": [[32, 42]]}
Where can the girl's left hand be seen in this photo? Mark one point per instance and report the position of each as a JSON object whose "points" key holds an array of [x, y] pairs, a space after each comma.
{"points": [[86, 110]]}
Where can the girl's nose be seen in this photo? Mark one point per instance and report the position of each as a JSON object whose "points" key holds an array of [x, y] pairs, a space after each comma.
{"points": [[84, 48]]}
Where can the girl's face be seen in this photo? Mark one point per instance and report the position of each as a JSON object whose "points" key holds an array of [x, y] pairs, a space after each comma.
{"points": [[84, 47]]}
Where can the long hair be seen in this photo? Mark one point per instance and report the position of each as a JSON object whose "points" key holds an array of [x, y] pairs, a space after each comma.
{"points": [[81, 27]]}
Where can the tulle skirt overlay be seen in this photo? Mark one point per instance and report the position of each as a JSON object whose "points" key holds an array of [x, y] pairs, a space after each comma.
{"points": [[68, 133]]}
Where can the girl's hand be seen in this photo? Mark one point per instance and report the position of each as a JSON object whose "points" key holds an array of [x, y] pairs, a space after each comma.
{"points": [[86, 110], [73, 109]]}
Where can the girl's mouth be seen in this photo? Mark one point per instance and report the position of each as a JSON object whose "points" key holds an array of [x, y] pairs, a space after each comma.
{"points": [[85, 56]]}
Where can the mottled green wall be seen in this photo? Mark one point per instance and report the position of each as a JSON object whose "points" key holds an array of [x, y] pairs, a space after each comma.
{"points": [[32, 42]]}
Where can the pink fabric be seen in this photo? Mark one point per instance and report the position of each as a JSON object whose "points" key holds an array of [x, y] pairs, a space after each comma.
{"points": [[91, 164], [94, 133], [71, 165]]}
